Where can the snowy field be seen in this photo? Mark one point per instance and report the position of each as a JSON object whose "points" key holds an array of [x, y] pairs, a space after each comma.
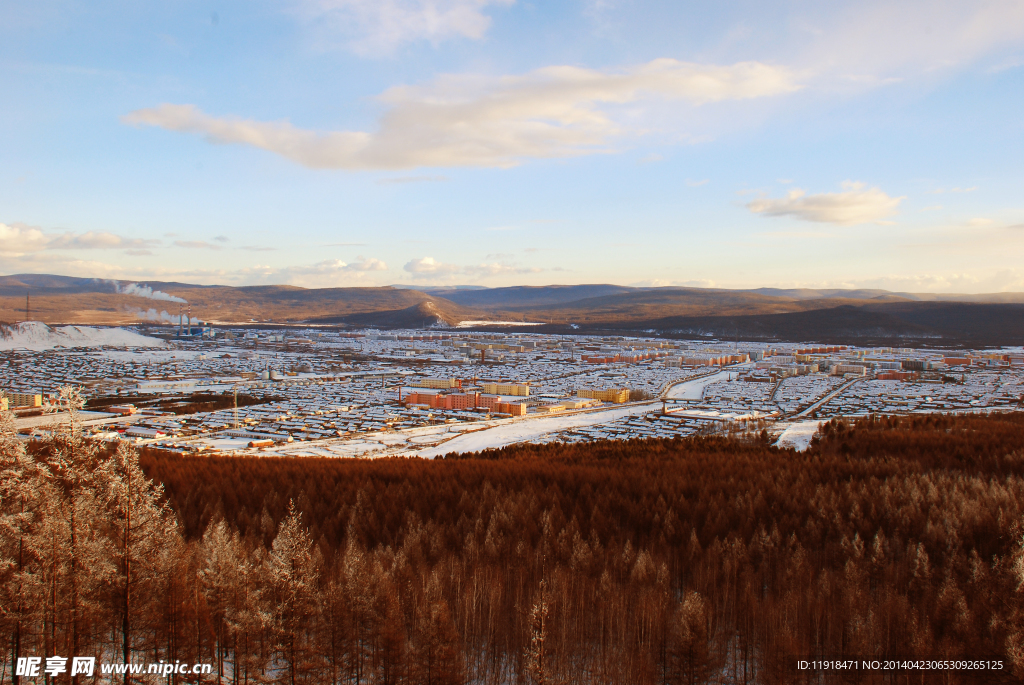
{"points": [[473, 324], [36, 336], [525, 430], [798, 435], [694, 390]]}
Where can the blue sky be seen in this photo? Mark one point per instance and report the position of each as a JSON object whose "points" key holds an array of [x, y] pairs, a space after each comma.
{"points": [[500, 142]]}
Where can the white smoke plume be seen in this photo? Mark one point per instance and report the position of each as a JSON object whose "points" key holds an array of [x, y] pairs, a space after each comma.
{"points": [[152, 315], [146, 291]]}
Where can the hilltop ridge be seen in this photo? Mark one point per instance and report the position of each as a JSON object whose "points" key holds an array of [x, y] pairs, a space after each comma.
{"points": [[755, 314]]}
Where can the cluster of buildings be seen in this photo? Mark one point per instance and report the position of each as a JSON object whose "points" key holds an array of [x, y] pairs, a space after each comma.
{"points": [[324, 385], [498, 397]]}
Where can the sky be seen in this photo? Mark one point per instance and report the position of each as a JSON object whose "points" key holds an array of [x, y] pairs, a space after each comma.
{"points": [[336, 143]]}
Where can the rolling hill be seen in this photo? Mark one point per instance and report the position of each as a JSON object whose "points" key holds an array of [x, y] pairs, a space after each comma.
{"points": [[752, 314]]}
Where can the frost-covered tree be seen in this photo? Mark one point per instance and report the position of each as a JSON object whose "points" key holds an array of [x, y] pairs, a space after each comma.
{"points": [[78, 558], [1015, 638], [234, 594], [293, 571], [692, 653], [24, 494], [139, 528], [538, 664]]}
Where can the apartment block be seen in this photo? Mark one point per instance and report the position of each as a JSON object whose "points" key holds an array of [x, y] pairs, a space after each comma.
{"points": [[517, 389], [617, 395], [18, 400]]}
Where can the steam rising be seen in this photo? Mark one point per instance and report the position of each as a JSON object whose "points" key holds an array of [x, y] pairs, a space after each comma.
{"points": [[147, 292], [153, 315]]}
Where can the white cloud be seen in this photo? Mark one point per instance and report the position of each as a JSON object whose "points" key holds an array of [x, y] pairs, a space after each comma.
{"points": [[97, 240], [428, 266], [19, 238], [331, 266], [470, 121], [365, 264], [329, 273], [856, 204], [375, 28]]}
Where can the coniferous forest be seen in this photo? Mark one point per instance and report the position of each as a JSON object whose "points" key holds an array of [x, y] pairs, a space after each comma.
{"points": [[709, 560]]}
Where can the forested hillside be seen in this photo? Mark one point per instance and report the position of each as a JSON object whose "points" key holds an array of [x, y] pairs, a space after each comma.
{"points": [[707, 560]]}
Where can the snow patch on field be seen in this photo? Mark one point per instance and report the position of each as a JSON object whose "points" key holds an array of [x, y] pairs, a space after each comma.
{"points": [[523, 430], [474, 323], [798, 435], [37, 336], [694, 389]]}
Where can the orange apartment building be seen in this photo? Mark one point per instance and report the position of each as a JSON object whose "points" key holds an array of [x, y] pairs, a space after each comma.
{"points": [[466, 401]]}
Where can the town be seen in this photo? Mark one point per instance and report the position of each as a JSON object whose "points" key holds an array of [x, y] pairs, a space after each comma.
{"points": [[327, 392]]}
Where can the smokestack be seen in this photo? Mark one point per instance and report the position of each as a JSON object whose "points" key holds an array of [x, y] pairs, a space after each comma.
{"points": [[181, 321], [190, 321]]}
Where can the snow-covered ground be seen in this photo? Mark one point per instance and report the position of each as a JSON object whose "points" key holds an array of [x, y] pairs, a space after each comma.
{"points": [[692, 390], [524, 430], [37, 336], [470, 324], [798, 435]]}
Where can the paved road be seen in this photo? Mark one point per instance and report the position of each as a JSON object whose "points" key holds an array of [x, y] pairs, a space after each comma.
{"points": [[826, 398]]}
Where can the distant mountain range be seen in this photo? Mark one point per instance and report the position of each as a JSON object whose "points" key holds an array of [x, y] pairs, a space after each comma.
{"points": [[757, 314]]}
